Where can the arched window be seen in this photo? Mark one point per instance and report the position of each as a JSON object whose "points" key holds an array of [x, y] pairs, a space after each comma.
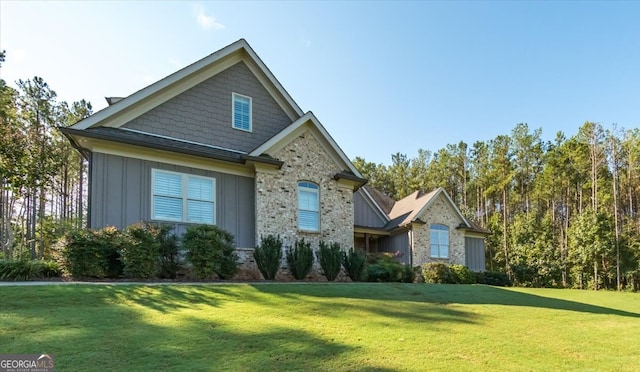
{"points": [[439, 241], [308, 206]]}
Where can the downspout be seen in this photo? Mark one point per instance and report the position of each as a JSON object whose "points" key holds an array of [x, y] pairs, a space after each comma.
{"points": [[411, 247]]}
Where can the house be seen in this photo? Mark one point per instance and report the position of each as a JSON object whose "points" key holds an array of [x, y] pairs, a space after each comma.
{"points": [[420, 228], [220, 142]]}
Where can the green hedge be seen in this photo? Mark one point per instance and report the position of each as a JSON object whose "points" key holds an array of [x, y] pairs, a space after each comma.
{"points": [[140, 250], [385, 268], [91, 254]]}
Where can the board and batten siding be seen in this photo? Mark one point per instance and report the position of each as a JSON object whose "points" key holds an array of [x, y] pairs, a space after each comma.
{"points": [[397, 245], [364, 213], [121, 196], [474, 253]]}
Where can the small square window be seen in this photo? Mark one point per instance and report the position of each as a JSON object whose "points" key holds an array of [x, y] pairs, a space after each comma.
{"points": [[241, 112]]}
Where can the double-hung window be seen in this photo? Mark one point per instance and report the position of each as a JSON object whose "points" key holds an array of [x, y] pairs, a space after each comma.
{"points": [[308, 206], [241, 112], [439, 241], [182, 197]]}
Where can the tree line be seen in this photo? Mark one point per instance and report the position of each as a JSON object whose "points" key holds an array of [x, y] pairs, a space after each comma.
{"points": [[562, 213], [42, 178]]}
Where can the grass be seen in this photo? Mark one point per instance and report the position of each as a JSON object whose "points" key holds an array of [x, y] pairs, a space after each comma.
{"points": [[354, 327]]}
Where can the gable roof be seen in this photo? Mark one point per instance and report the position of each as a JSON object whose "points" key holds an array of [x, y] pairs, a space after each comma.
{"points": [[309, 121], [408, 209], [161, 91]]}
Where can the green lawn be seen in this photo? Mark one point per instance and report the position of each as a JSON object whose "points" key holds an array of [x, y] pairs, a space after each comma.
{"points": [[321, 327]]}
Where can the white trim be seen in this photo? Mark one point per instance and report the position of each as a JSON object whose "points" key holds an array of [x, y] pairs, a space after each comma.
{"points": [[185, 195], [298, 209], [430, 201], [233, 112], [159, 92], [184, 141], [448, 230], [309, 117], [373, 201]]}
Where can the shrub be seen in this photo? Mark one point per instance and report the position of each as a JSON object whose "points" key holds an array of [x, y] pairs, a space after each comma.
{"points": [[462, 274], [437, 272], [169, 255], [330, 258], [386, 269], [300, 259], [28, 269], [496, 278], [210, 250], [140, 249], [88, 253], [268, 256], [354, 263]]}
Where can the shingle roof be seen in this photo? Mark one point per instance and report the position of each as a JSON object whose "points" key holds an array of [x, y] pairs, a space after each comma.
{"points": [[383, 200], [406, 210]]}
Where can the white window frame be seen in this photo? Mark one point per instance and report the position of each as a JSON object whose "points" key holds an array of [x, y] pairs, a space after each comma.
{"points": [[233, 112], [185, 196], [308, 189], [440, 246]]}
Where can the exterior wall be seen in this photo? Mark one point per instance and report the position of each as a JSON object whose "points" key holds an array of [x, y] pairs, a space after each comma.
{"points": [[439, 212], [203, 113], [398, 245], [277, 200], [121, 196], [474, 253], [364, 213]]}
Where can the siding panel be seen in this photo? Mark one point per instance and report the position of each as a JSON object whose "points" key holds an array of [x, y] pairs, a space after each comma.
{"points": [[474, 253], [364, 213], [203, 113], [121, 195]]}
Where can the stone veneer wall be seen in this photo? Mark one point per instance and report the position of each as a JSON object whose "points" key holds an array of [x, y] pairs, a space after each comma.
{"points": [[277, 200], [439, 212]]}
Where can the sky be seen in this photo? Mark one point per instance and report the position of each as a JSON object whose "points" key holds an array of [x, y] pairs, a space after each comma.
{"points": [[382, 77]]}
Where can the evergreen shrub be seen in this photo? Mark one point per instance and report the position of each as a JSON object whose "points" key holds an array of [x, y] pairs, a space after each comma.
{"points": [[300, 259], [268, 256], [330, 258], [354, 262]]}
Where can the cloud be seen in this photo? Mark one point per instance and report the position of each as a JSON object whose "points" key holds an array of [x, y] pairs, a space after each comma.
{"points": [[205, 20]]}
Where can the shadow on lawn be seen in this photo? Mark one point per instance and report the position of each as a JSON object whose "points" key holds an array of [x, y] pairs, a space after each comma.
{"points": [[440, 294], [96, 329]]}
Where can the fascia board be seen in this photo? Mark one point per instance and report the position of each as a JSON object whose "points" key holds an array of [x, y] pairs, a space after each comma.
{"points": [[159, 92], [280, 140]]}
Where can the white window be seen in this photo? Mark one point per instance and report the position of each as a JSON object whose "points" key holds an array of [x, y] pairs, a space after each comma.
{"points": [[241, 112], [308, 206], [182, 197], [439, 241]]}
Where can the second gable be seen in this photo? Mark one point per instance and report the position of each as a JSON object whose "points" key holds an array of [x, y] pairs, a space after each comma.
{"points": [[203, 113]]}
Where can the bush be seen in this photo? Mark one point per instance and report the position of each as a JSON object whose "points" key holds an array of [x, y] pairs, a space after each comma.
{"points": [[88, 253], [462, 274], [28, 270], [354, 263], [300, 259], [210, 250], [268, 256], [140, 249], [330, 258], [386, 269], [169, 255], [437, 272], [496, 278]]}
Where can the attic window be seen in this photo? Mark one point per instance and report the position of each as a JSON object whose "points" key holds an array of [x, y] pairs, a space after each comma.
{"points": [[241, 112]]}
